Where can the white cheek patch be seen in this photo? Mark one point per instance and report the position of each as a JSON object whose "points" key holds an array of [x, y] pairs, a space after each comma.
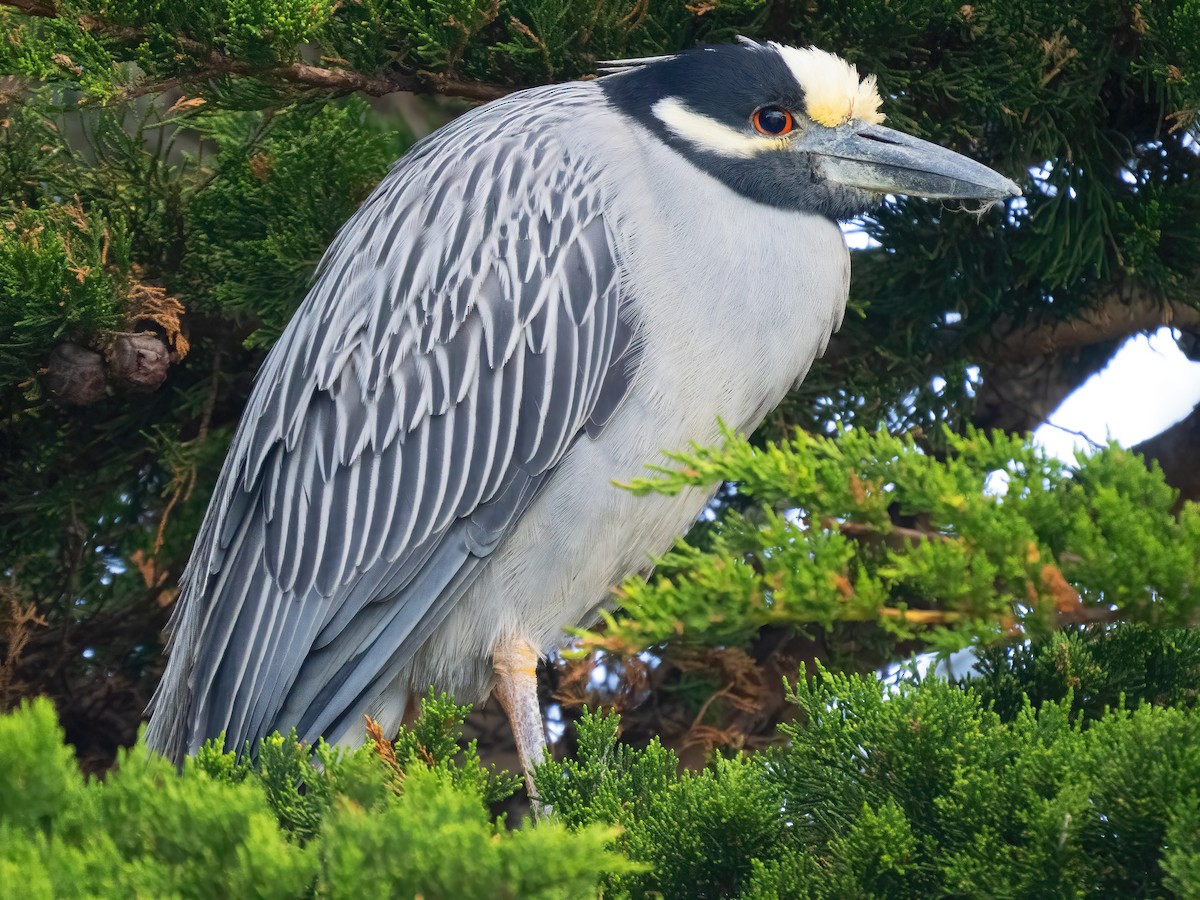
{"points": [[709, 134], [832, 89]]}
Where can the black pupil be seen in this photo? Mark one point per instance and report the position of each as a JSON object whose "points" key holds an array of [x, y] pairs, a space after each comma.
{"points": [[772, 120]]}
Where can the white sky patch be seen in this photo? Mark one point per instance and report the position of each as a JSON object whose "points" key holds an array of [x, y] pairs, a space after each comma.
{"points": [[856, 236], [1146, 387], [709, 133]]}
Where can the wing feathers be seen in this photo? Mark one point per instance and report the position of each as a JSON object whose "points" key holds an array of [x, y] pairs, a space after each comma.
{"points": [[464, 329]]}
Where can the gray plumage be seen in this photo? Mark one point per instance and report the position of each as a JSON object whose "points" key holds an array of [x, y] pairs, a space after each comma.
{"points": [[538, 298]]}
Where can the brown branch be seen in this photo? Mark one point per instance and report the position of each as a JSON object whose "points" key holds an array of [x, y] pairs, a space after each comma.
{"points": [[1176, 451], [212, 63], [1118, 316], [1028, 369], [17, 634], [1018, 395], [898, 537], [32, 8]]}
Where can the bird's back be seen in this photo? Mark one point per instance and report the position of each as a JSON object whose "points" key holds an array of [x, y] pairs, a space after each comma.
{"points": [[459, 335]]}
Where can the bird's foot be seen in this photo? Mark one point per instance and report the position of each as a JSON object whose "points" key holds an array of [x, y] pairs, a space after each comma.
{"points": [[515, 662]]}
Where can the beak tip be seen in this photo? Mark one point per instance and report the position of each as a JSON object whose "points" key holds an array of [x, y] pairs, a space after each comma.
{"points": [[999, 190]]}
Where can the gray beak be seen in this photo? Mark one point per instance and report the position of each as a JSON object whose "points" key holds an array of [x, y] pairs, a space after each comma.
{"points": [[885, 161]]}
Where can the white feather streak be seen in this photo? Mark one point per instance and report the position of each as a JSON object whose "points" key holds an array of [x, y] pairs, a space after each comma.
{"points": [[708, 133]]}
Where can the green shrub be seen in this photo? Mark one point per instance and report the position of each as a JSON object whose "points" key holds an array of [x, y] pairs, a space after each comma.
{"points": [[917, 788], [298, 822]]}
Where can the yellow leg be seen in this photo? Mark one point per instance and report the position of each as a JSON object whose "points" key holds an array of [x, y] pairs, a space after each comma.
{"points": [[516, 689]]}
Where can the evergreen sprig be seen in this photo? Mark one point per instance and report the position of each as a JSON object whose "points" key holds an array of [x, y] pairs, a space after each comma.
{"points": [[435, 741], [63, 275], [991, 539]]}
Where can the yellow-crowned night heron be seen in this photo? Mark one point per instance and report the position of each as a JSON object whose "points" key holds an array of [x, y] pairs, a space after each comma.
{"points": [[535, 300]]}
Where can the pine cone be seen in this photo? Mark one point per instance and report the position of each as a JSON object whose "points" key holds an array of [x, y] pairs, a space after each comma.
{"points": [[74, 375], [138, 361]]}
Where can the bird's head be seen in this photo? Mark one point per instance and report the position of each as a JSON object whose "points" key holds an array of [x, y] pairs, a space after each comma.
{"points": [[790, 128]]}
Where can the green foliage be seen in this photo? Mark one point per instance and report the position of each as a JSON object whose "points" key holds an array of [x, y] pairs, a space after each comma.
{"points": [[694, 836], [913, 789], [101, 209], [299, 822], [260, 228], [553, 39], [142, 831], [440, 29], [1039, 806], [38, 776], [707, 862], [1093, 669], [823, 539], [303, 783], [434, 740], [437, 841], [608, 780], [58, 50], [1182, 867], [273, 30], [62, 275]]}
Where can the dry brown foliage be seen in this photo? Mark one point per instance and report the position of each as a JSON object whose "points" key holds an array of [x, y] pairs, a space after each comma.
{"points": [[151, 303], [386, 751], [17, 629]]}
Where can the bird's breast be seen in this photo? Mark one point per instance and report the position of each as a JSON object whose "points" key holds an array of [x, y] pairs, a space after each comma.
{"points": [[731, 302], [732, 299]]}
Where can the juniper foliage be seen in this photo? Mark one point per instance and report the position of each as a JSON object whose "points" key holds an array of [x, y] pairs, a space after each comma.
{"points": [[924, 787], [915, 789], [1000, 540], [299, 822]]}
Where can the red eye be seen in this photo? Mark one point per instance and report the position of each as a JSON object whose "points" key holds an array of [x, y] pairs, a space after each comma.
{"points": [[773, 121]]}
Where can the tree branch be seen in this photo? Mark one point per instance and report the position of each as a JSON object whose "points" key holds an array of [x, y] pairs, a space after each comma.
{"points": [[1030, 368], [32, 7], [1118, 316], [213, 63], [1018, 395], [1175, 450]]}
